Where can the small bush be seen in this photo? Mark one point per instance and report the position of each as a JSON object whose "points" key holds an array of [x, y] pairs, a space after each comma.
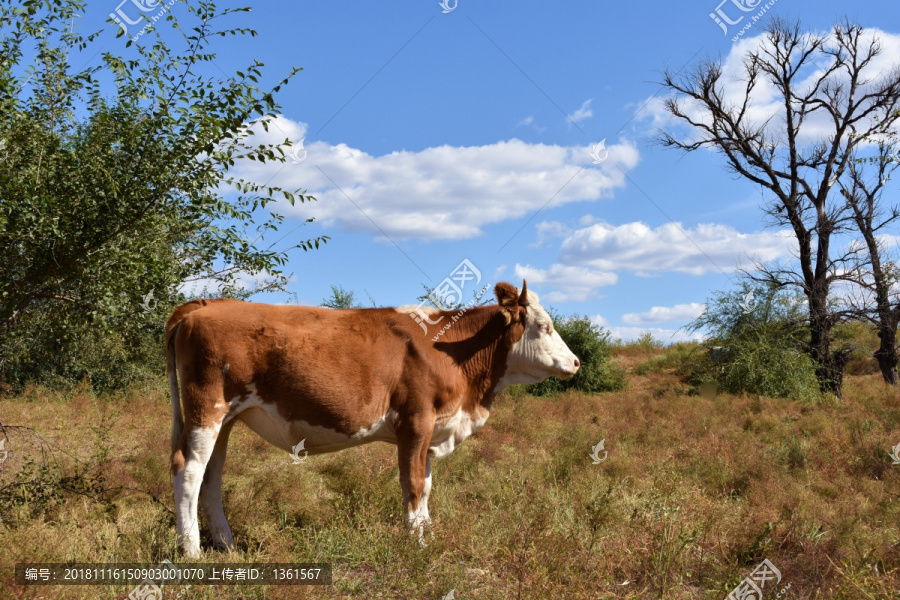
{"points": [[340, 298], [591, 344], [769, 367], [862, 339], [647, 342], [763, 329], [52, 348]]}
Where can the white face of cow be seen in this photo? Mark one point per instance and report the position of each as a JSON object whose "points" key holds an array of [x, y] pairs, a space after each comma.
{"points": [[540, 353]]}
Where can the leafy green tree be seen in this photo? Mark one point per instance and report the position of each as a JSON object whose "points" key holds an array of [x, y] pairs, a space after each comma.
{"points": [[591, 344], [116, 182]]}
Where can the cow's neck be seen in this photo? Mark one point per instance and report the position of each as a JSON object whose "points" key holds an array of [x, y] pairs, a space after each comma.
{"points": [[479, 342]]}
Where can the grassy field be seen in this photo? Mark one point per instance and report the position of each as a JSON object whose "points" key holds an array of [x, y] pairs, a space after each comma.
{"points": [[694, 493]]}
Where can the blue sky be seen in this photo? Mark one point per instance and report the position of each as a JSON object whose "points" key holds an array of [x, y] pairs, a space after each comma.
{"points": [[434, 137]]}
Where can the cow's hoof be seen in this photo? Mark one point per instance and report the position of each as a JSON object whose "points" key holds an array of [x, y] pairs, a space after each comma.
{"points": [[420, 532], [223, 547]]}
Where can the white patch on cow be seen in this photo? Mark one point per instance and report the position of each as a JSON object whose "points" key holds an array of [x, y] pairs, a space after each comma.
{"points": [[265, 419], [454, 431], [201, 442], [411, 308], [211, 495], [540, 352], [419, 518]]}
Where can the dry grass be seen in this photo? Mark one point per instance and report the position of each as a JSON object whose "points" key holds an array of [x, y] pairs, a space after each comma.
{"points": [[694, 493]]}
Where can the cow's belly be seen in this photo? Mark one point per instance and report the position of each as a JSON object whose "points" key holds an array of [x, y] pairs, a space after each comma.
{"points": [[268, 423], [265, 419], [451, 433]]}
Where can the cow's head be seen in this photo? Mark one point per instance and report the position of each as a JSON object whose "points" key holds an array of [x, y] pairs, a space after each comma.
{"points": [[539, 353]]}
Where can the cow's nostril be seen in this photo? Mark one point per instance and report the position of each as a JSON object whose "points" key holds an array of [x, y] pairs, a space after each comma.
{"points": [[577, 364]]}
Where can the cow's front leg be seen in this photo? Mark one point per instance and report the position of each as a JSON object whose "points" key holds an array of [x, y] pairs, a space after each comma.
{"points": [[418, 518], [415, 474]]}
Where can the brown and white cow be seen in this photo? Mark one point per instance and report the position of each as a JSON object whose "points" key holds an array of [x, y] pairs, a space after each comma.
{"points": [[340, 378]]}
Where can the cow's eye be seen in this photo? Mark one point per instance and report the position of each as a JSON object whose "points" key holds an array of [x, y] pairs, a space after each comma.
{"points": [[545, 327]]}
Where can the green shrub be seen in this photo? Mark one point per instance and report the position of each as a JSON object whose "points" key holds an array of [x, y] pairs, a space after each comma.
{"points": [[768, 366], [647, 342], [862, 339], [763, 329], [340, 298], [59, 350], [591, 344]]}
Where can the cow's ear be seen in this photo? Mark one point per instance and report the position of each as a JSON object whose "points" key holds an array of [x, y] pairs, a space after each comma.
{"points": [[508, 299], [523, 297]]}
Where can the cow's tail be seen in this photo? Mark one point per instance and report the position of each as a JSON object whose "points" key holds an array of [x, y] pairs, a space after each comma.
{"points": [[172, 368]]}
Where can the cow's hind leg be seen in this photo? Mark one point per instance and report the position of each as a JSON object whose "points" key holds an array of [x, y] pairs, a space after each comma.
{"points": [[197, 445], [211, 493]]}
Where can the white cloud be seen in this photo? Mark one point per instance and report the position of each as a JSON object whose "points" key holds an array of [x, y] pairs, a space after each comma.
{"points": [[585, 112], [529, 122], [666, 314], [666, 336], [445, 192], [671, 247], [889, 242], [628, 334], [550, 230], [567, 284]]}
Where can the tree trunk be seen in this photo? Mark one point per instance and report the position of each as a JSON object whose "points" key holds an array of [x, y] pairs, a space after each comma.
{"points": [[829, 365], [888, 355]]}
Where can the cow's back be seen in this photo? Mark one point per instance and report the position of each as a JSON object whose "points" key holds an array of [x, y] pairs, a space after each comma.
{"points": [[340, 369]]}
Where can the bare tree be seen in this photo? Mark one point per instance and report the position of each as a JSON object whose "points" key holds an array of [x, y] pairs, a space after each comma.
{"points": [[866, 179], [827, 100]]}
